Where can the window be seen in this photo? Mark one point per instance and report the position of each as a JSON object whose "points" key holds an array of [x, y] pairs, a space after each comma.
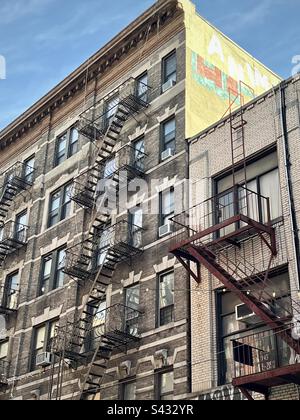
{"points": [[110, 168], [167, 206], [169, 135], [60, 205], [52, 275], [42, 340], [132, 301], [111, 109], [29, 170], [66, 145], [128, 391], [169, 70], [11, 292], [229, 328], [166, 298], [165, 386], [97, 312], [3, 351], [142, 87], [21, 227], [139, 154], [263, 179], [136, 223]]}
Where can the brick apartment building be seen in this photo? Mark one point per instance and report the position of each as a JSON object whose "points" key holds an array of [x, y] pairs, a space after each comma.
{"points": [[245, 308], [93, 305]]}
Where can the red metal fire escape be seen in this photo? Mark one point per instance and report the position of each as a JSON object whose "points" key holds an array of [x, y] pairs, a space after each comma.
{"points": [[212, 235]]}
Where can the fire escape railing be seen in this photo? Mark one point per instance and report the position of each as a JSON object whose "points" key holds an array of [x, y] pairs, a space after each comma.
{"points": [[126, 164], [94, 121], [14, 180], [117, 243], [217, 219], [264, 351], [13, 236], [4, 373], [117, 323], [9, 300]]}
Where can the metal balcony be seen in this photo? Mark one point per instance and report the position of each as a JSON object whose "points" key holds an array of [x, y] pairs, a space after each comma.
{"points": [[14, 180], [131, 96], [226, 218], [13, 236], [106, 248], [9, 300], [126, 164], [4, 372], [115, 327], [264, 360]]}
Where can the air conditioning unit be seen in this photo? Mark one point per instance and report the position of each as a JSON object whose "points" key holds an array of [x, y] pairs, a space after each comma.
{"points": [[167, 154], [168, 85], [244, 314], [165, 229], [44, 359]]}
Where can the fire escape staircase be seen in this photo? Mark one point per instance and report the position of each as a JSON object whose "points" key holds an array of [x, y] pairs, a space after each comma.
{"points": [[16, 179], [13, 237], [82, 261], [211, 235], [107, 131]]}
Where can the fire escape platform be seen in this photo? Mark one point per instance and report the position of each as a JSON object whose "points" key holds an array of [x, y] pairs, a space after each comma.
{"points": [[263, 381], [243, 228]]}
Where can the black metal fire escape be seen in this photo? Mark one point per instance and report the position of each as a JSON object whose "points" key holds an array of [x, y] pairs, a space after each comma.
{"points": [[96, 258], [15, 180], [13, 236], [211, 235]]}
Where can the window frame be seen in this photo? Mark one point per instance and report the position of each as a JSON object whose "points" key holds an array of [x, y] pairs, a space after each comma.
{"points": [[164, 68], [158, 383], [6, 303], [61, 214], [29, 177], [162, 216], [159, 309], [54, 272], [163, 145], [128, 322], [47, 338], [260, 209], [4, 341], [68, 152], [144, 96], [123, 384], [22, 232], [221, 337]]}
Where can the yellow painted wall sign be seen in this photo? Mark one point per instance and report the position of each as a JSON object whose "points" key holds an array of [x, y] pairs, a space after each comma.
{"points": [[215, 66]]}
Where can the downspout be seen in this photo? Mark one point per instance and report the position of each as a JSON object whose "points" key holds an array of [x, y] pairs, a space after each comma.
{"points": [[188, 297], [288, 175]]}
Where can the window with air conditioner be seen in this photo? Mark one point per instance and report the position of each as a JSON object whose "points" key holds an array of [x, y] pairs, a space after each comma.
{"points": [[42, 340], [169, 72], [167, 211], [168, 139]]}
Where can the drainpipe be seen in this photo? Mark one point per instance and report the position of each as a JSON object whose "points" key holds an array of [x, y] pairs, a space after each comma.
{"points": [[189, 300], [288, 175]]}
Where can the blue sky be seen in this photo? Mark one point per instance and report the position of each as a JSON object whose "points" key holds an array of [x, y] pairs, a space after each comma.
{"points": [[44, 40]]}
